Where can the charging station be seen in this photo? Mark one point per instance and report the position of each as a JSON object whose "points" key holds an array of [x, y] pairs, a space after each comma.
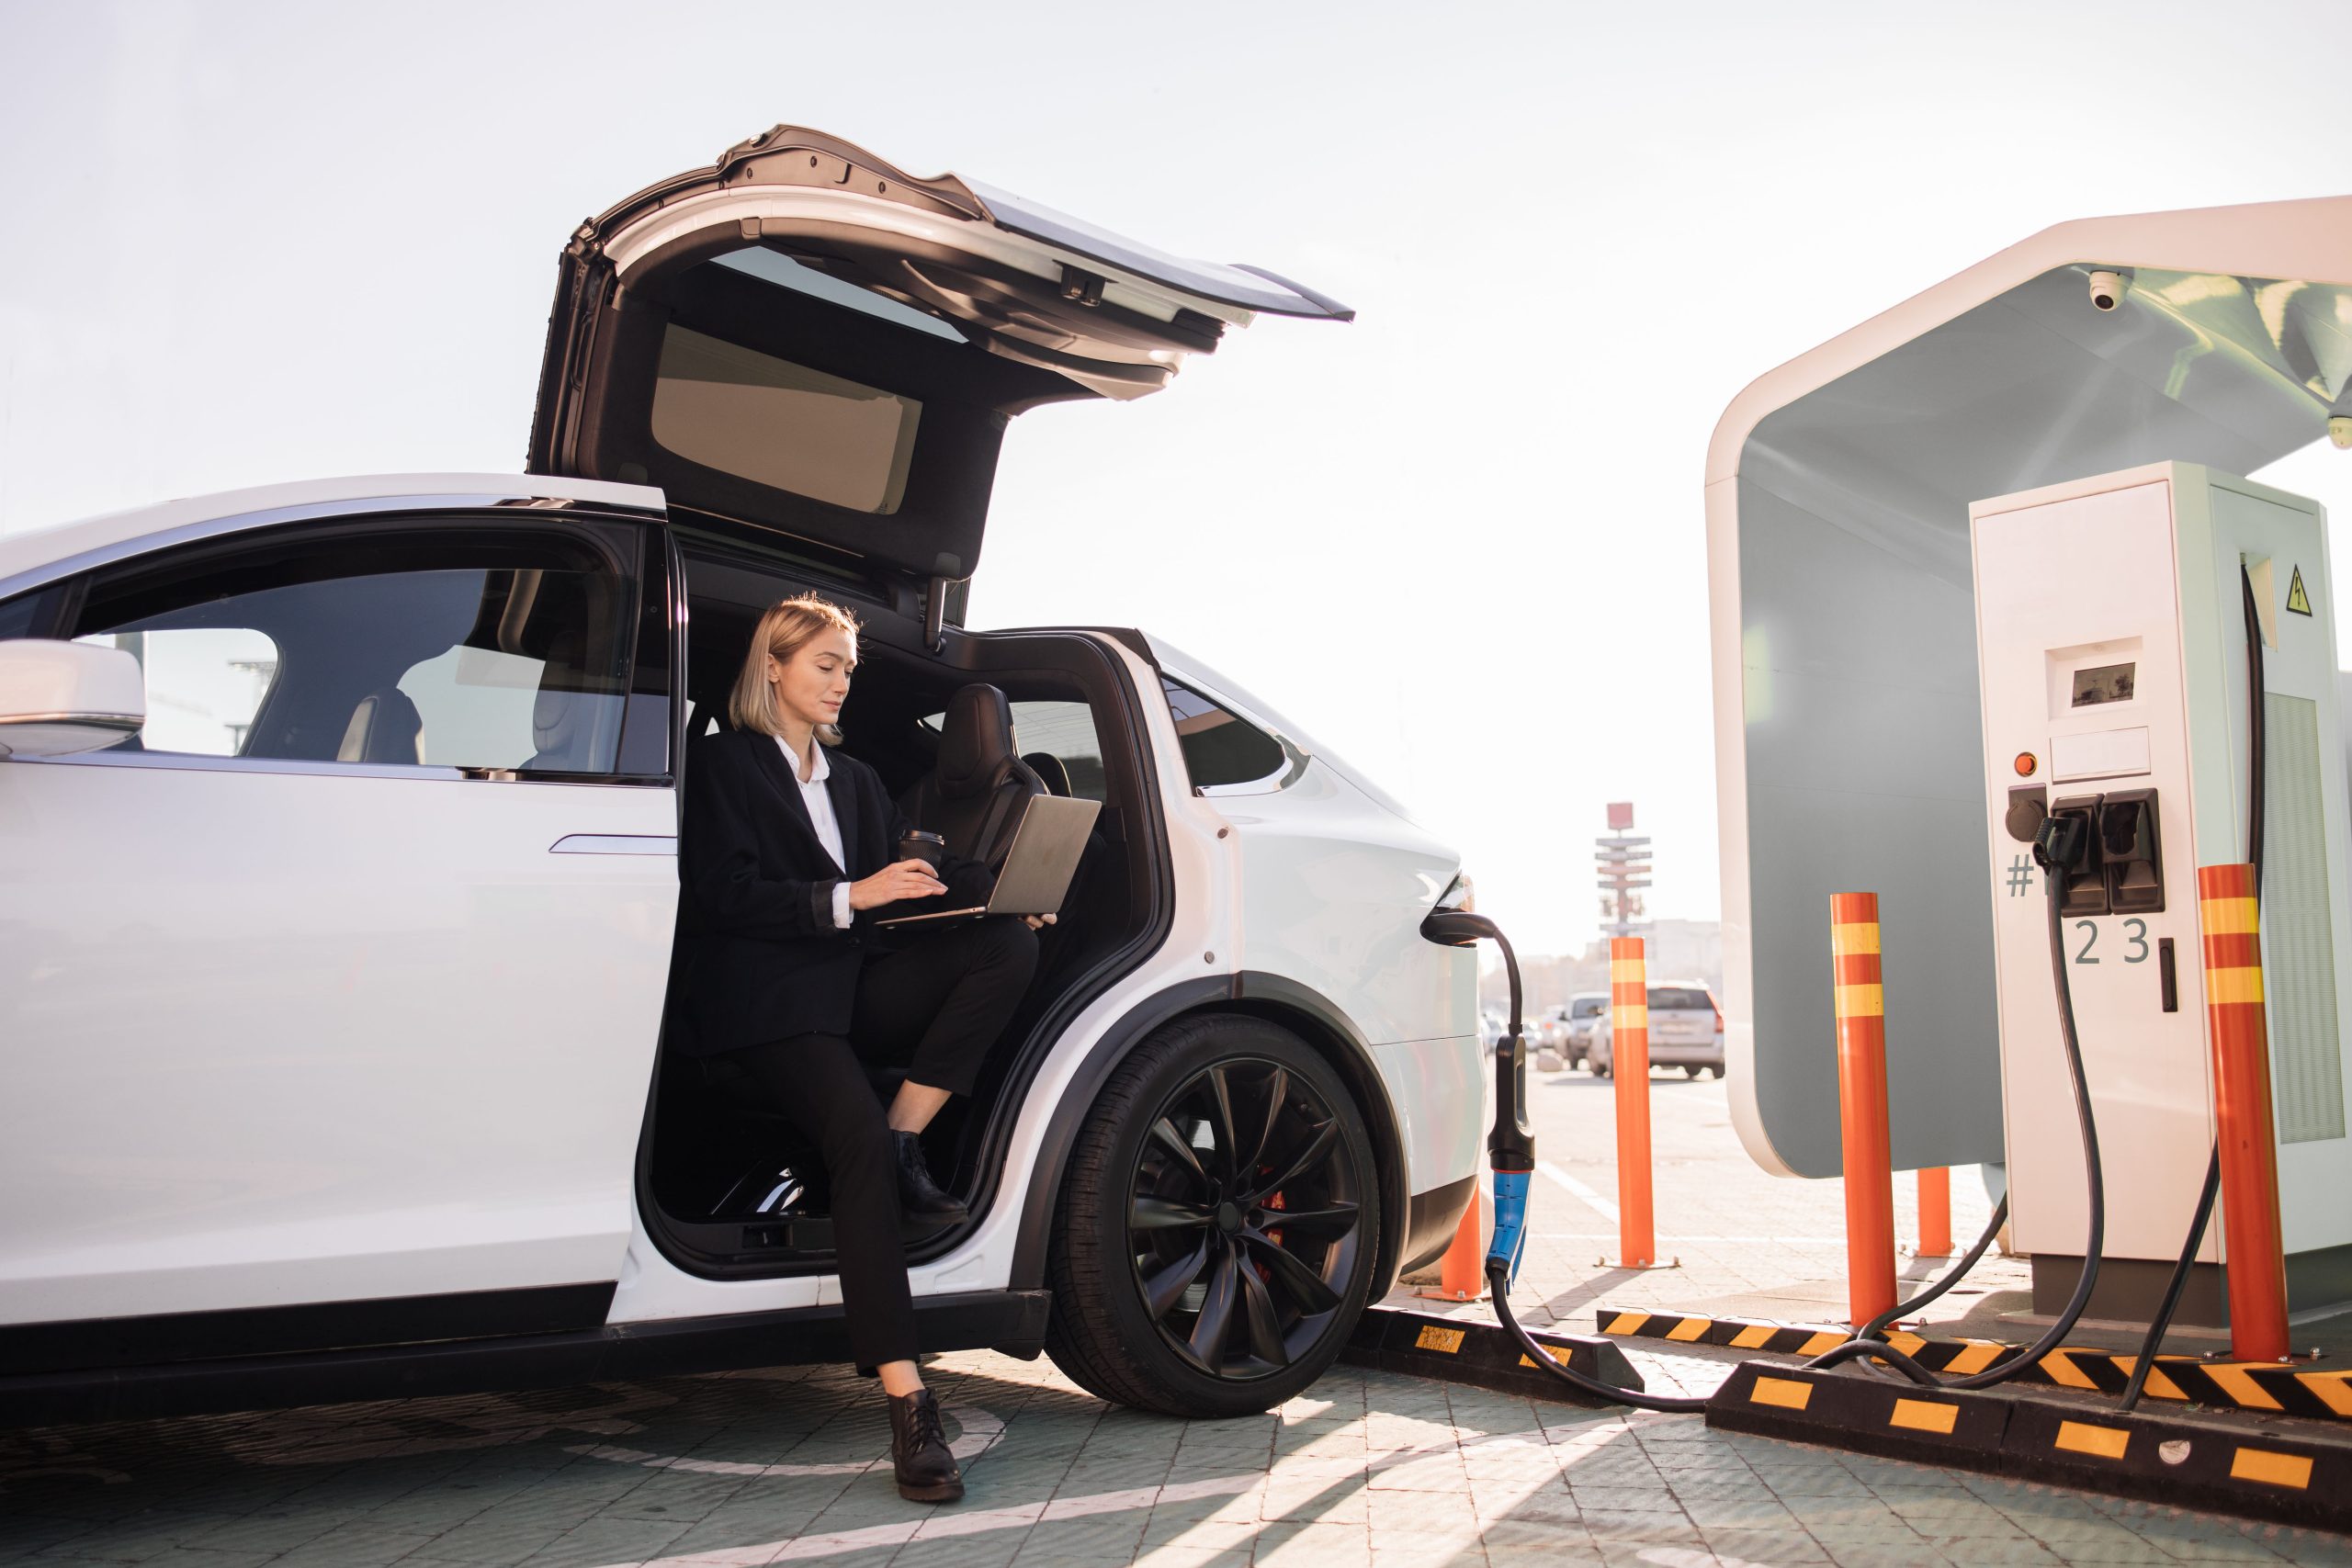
{"points": [[2113, 617], [1855, 508]]}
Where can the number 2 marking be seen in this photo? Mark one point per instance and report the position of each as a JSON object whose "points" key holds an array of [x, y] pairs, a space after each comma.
{"points": [[2090, 938]]}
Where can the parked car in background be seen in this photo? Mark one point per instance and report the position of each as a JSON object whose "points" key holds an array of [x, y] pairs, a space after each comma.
{"points": [[1584, 1011], [1686, 1032], [1547, 1037]]}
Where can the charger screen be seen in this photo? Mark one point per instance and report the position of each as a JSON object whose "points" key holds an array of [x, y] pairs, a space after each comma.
{"points": [[2103, 683]]}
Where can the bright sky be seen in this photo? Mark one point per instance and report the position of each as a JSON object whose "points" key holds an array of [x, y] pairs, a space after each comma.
{"points": [[1459, 541]]}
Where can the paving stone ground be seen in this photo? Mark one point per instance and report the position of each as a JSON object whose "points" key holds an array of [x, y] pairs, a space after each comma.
{"points": [[1366, 1468]]}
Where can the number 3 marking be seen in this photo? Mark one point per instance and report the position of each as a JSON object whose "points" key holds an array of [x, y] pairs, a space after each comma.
{"points": [[2134, 931], [2138, 932]]}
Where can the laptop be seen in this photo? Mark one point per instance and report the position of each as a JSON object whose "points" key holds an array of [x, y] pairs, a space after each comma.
{"points": [[1037, 869]]}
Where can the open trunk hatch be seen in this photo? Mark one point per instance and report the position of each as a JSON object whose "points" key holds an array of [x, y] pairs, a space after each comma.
{"points": [[803, 337]]}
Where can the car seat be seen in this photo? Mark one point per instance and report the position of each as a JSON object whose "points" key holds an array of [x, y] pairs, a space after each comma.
{"points": [[563, 717], [1051, 771], [974, 795], [384, 728]]}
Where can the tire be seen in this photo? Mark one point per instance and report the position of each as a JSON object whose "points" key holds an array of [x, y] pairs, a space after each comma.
{"points": [[1601, 1069], [1691, 1071], [1715, 1071], [1133, 1193]]}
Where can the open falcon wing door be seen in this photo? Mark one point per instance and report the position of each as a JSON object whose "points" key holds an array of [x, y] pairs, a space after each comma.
{"points": [[802, 337]]}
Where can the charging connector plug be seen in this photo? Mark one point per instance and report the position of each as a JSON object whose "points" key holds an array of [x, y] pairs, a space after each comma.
{"points": [[2061, 842]]}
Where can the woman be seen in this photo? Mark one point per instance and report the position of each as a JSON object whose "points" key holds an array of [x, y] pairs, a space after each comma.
{"points": [[789, 858]]}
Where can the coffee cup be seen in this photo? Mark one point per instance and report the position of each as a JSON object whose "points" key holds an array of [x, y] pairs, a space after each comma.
{"points": [[928, 848]]}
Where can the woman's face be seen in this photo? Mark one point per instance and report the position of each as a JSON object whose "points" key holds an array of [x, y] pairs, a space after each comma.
{"points": [[812, 685]]}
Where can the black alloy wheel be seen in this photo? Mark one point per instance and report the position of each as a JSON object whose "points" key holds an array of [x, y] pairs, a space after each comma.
{"points": [[1244, 1203], [1219, 1223]]}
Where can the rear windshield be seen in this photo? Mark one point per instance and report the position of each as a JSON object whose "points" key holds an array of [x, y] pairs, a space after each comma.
{"points": [[781, 425], [1588, 1007], [1671, 998]]}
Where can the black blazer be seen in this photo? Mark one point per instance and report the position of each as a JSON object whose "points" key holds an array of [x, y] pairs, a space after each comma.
{"points": [[760, 957]]}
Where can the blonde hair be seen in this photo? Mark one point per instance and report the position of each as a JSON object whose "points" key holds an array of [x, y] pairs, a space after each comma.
{"points": [[784, 630]]}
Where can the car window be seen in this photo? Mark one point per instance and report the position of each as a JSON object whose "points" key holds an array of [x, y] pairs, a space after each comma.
{"points": [[1671, 998], [26, 615], [1590, 1007], [1064, 730], [204, 684], [1220, 748], [778, 423], [380, 651]]}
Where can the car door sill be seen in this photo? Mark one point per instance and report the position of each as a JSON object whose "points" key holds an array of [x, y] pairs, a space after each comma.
{"points": [[1011, 1321], [88, 1346]]}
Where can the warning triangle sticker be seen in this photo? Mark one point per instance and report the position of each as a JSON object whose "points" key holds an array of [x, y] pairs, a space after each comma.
{"points": [[2297, 600]]}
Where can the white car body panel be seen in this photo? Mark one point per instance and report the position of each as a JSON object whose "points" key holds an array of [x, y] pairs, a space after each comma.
{"points": [[1333, 892], [277, 1037]]}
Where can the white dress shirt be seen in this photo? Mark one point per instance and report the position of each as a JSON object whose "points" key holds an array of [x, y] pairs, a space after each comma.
{"points": [[819, 802]]}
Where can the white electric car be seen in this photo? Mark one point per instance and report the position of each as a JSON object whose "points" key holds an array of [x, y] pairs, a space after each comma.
{"points": [[338, 884]]}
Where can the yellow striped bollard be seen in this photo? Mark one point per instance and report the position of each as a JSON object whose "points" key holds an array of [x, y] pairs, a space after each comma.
{"points": [[2229, 911], [1629, 1028], [1861, 1004]]}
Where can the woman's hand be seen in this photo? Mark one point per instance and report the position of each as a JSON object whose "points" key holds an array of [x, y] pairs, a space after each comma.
{"points": [[1038, 922], [906, 879]]}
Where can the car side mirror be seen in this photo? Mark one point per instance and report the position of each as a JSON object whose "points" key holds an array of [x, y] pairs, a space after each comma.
{"points": [[57, 698]]}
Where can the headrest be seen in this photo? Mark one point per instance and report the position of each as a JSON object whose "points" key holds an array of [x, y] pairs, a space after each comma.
{"points": [[1050, 771], [974, 741], [384, 728], [561, 713]]}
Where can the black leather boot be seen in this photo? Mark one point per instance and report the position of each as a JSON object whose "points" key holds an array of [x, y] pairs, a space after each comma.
{"points": [[920, 1198], [926, 1471]]}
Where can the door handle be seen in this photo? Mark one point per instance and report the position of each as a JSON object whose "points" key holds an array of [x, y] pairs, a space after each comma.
{"points": [[615, 844]]}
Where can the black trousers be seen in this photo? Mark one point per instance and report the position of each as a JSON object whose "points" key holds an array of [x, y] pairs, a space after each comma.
{"points": [[933, 1007]]}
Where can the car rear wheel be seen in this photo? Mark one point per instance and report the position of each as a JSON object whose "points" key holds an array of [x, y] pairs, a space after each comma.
{"points": [[1214, 1242]]}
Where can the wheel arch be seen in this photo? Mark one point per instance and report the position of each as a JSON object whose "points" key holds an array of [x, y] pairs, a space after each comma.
{"points": [[1275, 998]]}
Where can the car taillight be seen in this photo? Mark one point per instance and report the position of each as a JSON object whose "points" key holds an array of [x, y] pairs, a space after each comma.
{"points": [[1719, 1014]]}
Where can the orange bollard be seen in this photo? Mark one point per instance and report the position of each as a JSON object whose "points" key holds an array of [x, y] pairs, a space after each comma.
{"points": [[1861, 1104], [1462, 1273], [2255, 1262], [1629, 1025], [1935, 1211]]}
